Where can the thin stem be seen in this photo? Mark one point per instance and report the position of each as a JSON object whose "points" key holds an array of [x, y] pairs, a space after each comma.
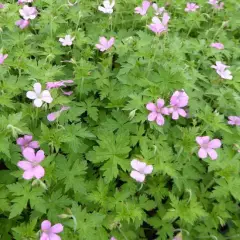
{"points": [[125, 237], [209, 185]]}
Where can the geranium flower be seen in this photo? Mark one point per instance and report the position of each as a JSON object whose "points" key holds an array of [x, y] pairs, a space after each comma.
{"points": [[159, 26], [234, 120], [22, 23], [2, 58], [31, 166], [178, 100], [67, 40], [143, 9], [217, 45], [140, 170], [28, 12], [24, 1], [26, 142], [157, 111], [105, 44], [1, 6], [158, 11], [207, 147], [58, 84], [107, 7], [113, 238], [221, 70], [49, 231], [191, 7], [54, 115], [39, 96], [216, 5]]}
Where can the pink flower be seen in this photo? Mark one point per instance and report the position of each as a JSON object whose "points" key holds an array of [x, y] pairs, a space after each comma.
{"points": [[113, 238], [221, 70], [157, 111], [26, 142], [191, 7], [158, 11], [58, 84], [39, 96], [234, 120], [215, 4], [107, 6], [22, 23], [105, 44], [178, 100], [143, 9], [31, 166], [207, 147], [49, 231], [159, 26], [2, 58], [217, 45], [67, 40], [67, 93], [140, 170], [1, 6], [54, 115], [28, 12]]}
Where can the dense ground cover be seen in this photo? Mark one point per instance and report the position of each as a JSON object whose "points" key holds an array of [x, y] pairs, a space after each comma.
{"points": [[119, 120]]}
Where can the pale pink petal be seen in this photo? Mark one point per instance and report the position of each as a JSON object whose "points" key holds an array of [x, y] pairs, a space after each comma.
{"points": [[103, 41], [38, 172], [28, 138], [152, 116], [165, 111], [39, 156], [31, 95], [151, 107], [199, 140], [29, 154], [37, 88], [111, 42], [205, 139], [137, 176], [215, 143], [44, 236], [46, 225], [175, 115], [202, 153], [146, 5], [137, 165], [28, 174], [25, 165], [52, 116], [53, 236], [67, 93], [165, 18], [160, 119], [37, 102], [212, 153], [57, 228], [34, 144], [160, 103], [20, 141], [46, 96], [148, 169], [182, 112]]}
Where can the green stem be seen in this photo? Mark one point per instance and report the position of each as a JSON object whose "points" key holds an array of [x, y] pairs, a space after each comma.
{"points": [[125, 237]]}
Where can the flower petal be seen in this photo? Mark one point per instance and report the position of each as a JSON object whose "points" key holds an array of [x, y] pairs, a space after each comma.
{"points": [[28, 138], [148, 169], [175, 115], [160, 119], [53, 236], [160, 103], [29, 154], [215, 143], [39, 156], [38, 102], [52, 116], [20, 141], [25, 165], [46, 225], [44, 236], [37, 88], [38, 172], [137, 165], [202, 153], [57, 228], [182, 112], [33, 144], [137, 176], [31, 95], [152, 116], [46, 96], [212, 153], [151, 107], [28, 174]]}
